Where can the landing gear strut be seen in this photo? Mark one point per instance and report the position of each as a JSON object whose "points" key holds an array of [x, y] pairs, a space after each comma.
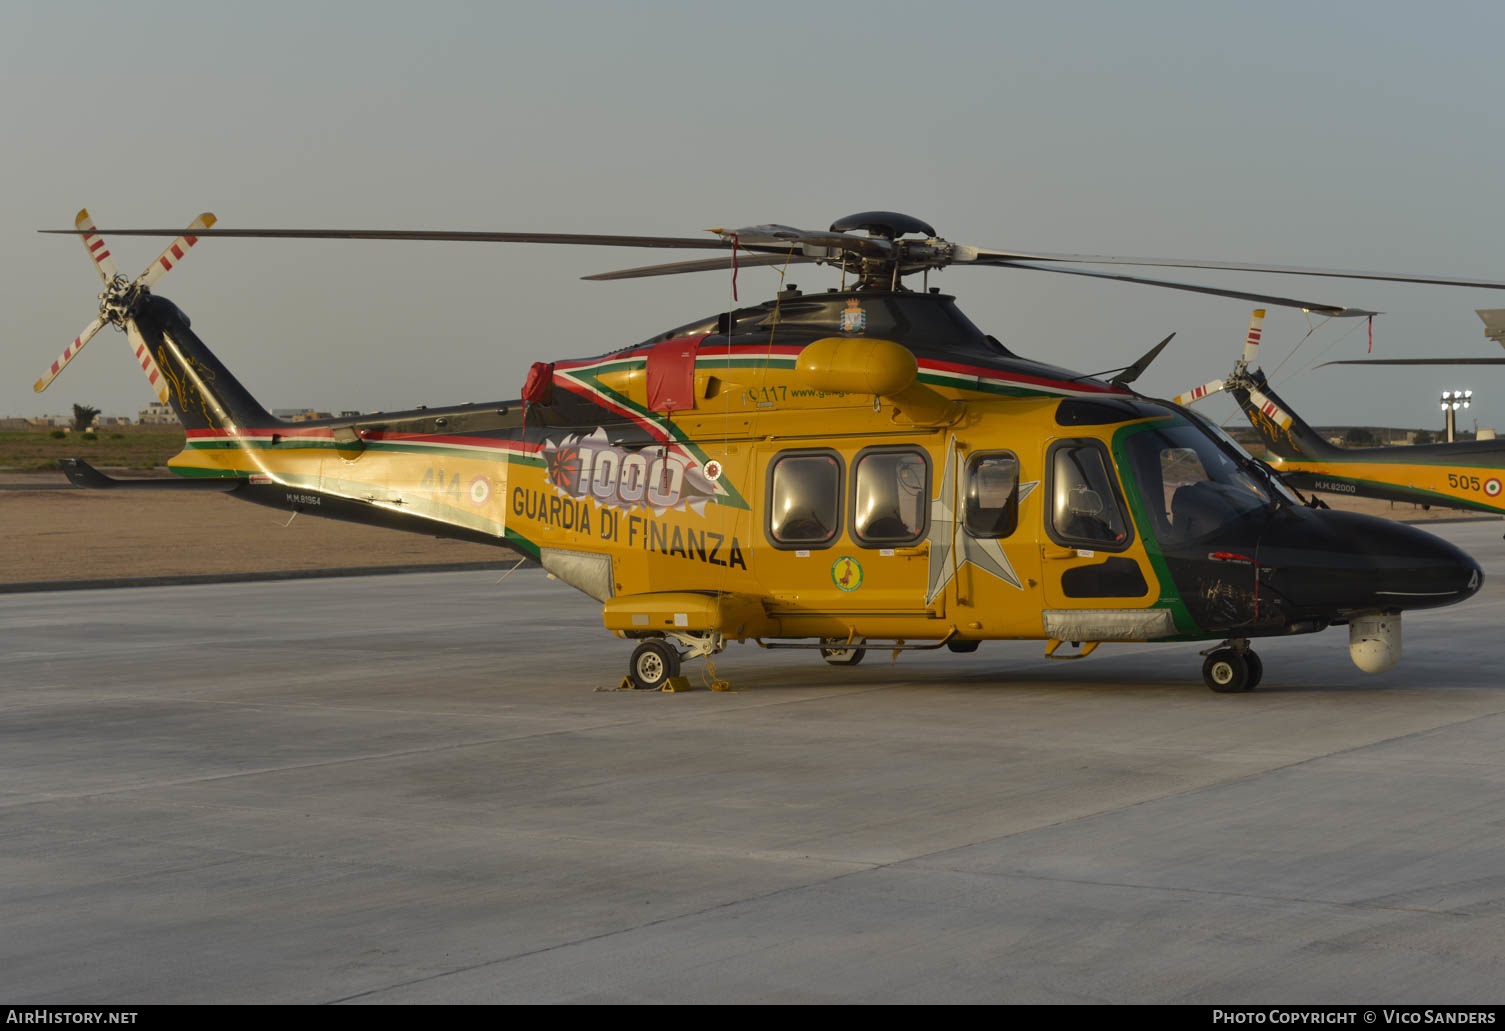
{"points": [[1232, 667]]}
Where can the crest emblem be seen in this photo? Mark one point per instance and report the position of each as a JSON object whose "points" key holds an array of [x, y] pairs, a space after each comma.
{"points": [[853, 318]]}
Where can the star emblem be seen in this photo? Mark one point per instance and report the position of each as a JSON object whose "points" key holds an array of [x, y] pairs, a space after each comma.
{"points": [[985, 553]]}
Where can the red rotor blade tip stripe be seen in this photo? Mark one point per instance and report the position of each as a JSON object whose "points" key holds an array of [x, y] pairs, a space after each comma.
{"points": [[175, 251], [95, 245], [69, 353], [1256, 332]]}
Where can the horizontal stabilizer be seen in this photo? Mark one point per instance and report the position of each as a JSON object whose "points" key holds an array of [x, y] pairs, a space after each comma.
{"points": [[82, 474]]}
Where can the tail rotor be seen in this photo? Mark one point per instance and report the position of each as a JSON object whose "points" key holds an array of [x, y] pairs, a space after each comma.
{"points": [[121, 299], [1245, 377]]}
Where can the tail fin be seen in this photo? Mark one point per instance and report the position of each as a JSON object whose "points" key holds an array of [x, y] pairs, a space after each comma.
{"points": [[1284, 432], [203, 393]]}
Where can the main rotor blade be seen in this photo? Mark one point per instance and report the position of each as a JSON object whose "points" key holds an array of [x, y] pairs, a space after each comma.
{"points": [[1416, 361], [584, 239], [1331, 310], [95, 245], [702, 265], [69, 353], [175, 250], [984, 256]]}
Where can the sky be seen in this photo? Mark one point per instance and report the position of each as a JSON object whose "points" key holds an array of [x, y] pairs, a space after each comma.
{"points": [[1349, 135]]}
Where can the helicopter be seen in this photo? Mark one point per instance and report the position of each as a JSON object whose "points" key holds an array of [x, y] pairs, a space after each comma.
{"points": [[1464, 474], [845, 471]]}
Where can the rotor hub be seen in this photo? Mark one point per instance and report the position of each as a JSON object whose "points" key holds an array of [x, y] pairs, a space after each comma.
{"points": [[121, 300]]}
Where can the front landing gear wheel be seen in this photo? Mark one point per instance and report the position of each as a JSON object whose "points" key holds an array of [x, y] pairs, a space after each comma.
{"points": [[652, 664], [1228, 672], [838, 653]]}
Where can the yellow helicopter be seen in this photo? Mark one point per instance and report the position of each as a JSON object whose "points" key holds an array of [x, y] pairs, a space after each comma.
{"points": [[1466, 475], [857, 469]]}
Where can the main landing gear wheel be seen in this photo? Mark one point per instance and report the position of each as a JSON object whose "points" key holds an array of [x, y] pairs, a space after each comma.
{"points": [[1256, 670], [652, 664], [838, 653], [1229, 671]]}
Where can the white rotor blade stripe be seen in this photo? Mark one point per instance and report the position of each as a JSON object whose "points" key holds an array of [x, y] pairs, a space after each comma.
{"points": [[1256, 331], [1280, 416], [95, 245], [69, 353], [175, 251], [148, 364], [1197, 393]]}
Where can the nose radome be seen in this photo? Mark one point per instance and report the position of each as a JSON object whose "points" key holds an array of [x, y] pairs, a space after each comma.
{"points": [[1343, 561]]}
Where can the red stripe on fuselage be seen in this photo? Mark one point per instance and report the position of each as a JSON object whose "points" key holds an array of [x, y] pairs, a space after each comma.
{"points": [[926, 364]]}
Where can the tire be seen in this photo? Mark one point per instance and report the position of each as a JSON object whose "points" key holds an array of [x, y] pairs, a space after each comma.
{"points": [[1256, 670], [839, 654], [652, 664], [1226, 672], [960, 645]]}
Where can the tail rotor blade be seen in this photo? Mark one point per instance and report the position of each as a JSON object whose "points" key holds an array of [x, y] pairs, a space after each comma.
{"points": [[69, 353], [1256, 331], [94, 243], [1277, 414], [148, 364], [1197, 393], [175, 251]]}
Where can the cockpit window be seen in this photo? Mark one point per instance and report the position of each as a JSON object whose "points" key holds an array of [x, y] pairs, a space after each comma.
{"points": [[1190, 485], [890, 497], [804, 499], [1084, 503]]}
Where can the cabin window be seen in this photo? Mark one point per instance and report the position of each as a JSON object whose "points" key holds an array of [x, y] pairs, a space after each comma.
{"points": [[804, 499], [991, 504], [890, 496], [1085, 507]]}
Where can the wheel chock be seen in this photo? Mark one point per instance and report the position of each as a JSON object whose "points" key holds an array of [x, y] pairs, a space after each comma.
{"points": [[677, 684]]}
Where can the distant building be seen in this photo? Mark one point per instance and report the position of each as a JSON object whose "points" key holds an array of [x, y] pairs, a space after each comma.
{"points": [[157, 414]]}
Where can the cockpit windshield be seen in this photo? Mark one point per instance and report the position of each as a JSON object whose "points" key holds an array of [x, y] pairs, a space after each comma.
{"points": [[1273, 480], [1191, 487]]}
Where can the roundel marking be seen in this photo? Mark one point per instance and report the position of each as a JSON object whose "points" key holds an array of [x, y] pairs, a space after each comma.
{"points": [[1492, 487], [480, 490], [846, 573]]}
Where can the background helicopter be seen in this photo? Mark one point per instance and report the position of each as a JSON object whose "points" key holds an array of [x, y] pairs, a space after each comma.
{"points": [[827, 471], [1464, 474]]}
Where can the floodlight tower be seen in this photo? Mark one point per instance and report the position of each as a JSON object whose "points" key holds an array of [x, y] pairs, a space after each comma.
{"points": [[1452, 400]]}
